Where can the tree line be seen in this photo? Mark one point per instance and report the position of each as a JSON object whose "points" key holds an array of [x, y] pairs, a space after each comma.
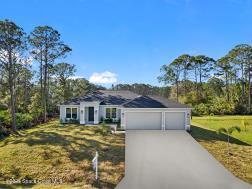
{"points": [[29, 96], [221, 86], [144, 89]]}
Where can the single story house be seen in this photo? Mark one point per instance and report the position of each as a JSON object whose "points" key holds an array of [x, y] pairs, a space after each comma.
{"points": [[133, 111]]}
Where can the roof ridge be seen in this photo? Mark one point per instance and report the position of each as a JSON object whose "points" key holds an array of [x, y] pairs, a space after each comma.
{"points": [[131, 100]]}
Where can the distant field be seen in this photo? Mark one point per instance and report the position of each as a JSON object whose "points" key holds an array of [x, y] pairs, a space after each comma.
{"points": [[239, 162]]}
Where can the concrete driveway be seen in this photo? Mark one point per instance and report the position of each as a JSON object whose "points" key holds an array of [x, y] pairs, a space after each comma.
{"points": [[172, 160]]}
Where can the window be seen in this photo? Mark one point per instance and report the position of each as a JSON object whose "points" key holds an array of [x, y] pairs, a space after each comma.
{"points": [[74, 113], [68, 113], [108, 115], [71, 113], [111, 113]]}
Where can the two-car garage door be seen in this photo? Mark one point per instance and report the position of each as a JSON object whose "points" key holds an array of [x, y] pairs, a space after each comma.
{"points": [[153, 120]]}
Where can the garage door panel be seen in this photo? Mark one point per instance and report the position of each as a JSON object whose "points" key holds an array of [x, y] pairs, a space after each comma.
{"points": [[143, 120], [174, 120]]}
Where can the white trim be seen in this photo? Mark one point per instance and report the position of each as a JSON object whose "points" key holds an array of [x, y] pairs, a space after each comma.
{"points": [[71, 107], [163, 121], [109, 107]]}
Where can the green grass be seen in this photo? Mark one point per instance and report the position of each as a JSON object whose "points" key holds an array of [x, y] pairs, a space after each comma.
{"points": [[64, 152], [239, 162], [216, 122]]}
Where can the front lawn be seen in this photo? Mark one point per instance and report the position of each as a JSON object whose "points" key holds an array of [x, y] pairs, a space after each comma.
{"points": [[240, 161], [63, 152]]}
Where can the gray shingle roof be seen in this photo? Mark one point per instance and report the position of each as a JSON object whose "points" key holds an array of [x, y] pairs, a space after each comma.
{"points": [[105, 97], [153, 102], [127, 99]]}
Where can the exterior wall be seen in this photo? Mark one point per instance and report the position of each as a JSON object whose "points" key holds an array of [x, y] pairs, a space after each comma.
{"points": [[82, 115], [83, 112], [187, 112], [63, 112], [102, 112], [99, 111]]}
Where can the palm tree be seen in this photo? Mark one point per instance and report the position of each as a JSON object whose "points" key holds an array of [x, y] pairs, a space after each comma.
{"points": [[228, 132]]}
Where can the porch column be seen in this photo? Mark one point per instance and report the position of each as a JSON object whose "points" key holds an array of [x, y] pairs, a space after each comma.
{"points": [[163, 120], [96, 114], [82, 114]]}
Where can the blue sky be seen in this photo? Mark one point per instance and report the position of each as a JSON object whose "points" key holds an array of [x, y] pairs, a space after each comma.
{"points": [[130, 40]]}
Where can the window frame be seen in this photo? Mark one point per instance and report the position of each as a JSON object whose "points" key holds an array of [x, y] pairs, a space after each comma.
{"points": [[109, 111], [71, 113], [68, 113], [115, 114]]}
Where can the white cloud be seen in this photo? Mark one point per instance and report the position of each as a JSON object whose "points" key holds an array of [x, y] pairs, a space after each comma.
{"points": [[76, 77], [103, 78]]}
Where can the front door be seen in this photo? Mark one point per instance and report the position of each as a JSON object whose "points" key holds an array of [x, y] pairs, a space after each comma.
{"points": [[90, 114]]}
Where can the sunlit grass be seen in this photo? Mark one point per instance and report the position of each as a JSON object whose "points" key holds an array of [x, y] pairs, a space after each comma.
{"points": [[65, 152], [240, 160], [216, 122]]}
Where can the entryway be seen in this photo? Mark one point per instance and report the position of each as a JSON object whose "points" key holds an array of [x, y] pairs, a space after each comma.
{"points": [[89, 115]]}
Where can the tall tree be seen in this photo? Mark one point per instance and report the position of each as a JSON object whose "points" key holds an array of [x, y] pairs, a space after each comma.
{"points": [[47, 47], [12, 46], [185, 61], [172, 74], [24, 83], [62, 72], [241, 55], [224, 68], [202, 66]]}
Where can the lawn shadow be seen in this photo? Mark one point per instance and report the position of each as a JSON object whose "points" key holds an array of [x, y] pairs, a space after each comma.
{"points": [[200, 133], [78, 148], [13, 186]]}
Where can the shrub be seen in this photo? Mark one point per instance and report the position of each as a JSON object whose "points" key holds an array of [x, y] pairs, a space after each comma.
{"points": [[24, 120], [3, 107], [35, 108], [219, 106], [240, 109], [102, 120], [201, 109], [5, 117], [118, 123], [74, 121], [103, 129], [3, 132], [108, 120]]}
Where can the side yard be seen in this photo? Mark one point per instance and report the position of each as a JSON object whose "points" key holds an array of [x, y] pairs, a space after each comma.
{"points": [[52, 150], [239, 162]]}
